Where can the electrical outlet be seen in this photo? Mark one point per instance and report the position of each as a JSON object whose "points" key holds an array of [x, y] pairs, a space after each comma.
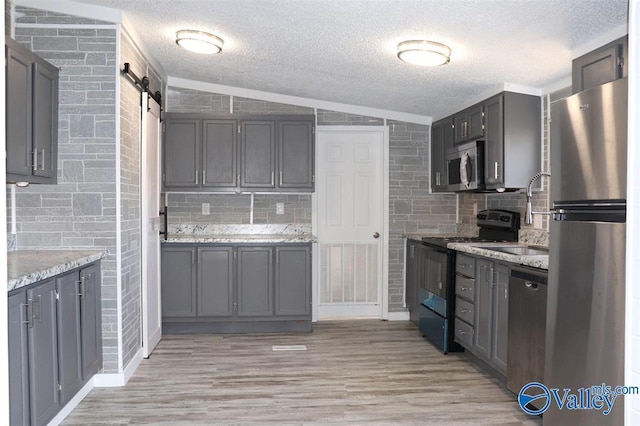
{"points": [[206, 209], [279, 208]]}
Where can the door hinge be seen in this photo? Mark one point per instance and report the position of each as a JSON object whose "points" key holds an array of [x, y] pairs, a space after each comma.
{"points": [[239, 128], [59, 387], [164, 177], [57, 295], [313, 130], [235, 306], [620, 60], [313, 178]]}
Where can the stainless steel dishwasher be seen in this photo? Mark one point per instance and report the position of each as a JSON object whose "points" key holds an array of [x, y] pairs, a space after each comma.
{"points": [[527, 324]]}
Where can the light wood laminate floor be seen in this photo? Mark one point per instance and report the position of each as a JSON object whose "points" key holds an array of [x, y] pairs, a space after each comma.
{"points": [[353, 372]]}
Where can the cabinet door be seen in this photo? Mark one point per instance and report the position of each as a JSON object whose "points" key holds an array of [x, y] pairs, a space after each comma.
{"points": [[461, 127], [437, 154], [494, 141], [68, 315], [215, 281], [258, 155], [19, 113], [483, 308], [43, 353], [293, 281], [91, 320], [295, 155], [45, 120], [255, 281], [500, 318], [178, 282], [18, 360], [182, 146], [600, 66], [476, 123], [220, 154]]}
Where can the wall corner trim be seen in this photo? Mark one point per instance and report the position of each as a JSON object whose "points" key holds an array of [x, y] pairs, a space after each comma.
{"points": [[113, 380]]}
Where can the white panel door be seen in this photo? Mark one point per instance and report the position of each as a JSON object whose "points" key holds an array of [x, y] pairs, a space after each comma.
{"points": [[349, 188], [150, 176]]}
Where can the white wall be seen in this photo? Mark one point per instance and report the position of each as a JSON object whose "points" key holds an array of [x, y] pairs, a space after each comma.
{"points": [[632, 309]]}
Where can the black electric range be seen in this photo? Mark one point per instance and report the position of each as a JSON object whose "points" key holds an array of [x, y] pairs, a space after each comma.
{"points": [[436, 291]]}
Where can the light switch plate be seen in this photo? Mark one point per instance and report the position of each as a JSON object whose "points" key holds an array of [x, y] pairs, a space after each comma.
{"points": [[206, 209], [279, 208]]}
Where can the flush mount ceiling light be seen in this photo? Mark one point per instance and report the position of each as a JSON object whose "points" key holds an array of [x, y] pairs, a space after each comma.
{"points": [[424, 53], [199, 41]]}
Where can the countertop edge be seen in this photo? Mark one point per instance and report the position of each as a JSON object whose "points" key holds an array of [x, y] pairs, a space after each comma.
{"points": [[538, 261], [57, 269], [239, 239]]}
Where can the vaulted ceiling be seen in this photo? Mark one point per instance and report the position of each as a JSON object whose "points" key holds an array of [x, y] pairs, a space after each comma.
{"points": [[344, 51]]}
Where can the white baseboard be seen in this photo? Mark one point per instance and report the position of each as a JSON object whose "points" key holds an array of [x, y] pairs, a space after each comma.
{"points": [[398, 316], [111, 380], [67, 409]]}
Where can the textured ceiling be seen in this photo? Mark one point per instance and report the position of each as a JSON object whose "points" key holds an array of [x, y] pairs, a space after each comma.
{"points": [[344, 50]]}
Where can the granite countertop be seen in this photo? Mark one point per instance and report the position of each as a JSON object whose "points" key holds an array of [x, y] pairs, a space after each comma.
{"points": [[536, 261], [239, 238], [26, 267]]}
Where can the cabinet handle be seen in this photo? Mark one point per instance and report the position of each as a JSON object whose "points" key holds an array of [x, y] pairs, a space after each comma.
{"points": [[462, 333], [204, 176], [273, 178], [437, 178], [196, 176], [280, 177], [464, 311], [34, 166], [462, 288], [495, 170], [506, 293], [43, 157], [27, 314]]}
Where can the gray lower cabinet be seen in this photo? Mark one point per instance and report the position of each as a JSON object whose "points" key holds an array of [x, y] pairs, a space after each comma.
{"points": [[238, 153], [178, 281], [54, 334], [32, 116], [236, 287], [482, 315], [411, 279]]}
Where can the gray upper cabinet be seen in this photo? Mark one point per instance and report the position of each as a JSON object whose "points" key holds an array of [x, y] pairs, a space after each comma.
{"points": [[255, 281], [293, 281], [238, 153], [182, 150], [18, 360], [178, 281], [43, 353], [69, 361], [258, 154], [601, 66], [215, 281], [295, 154], [468, 124], [220, 154], [441, 141], [512, 140], [90, 320], [32, 116]]}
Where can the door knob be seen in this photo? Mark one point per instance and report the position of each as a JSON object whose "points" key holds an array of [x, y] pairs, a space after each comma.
{"points": [[376, 235]]}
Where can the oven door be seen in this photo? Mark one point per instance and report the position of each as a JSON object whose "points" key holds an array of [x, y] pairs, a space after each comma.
{"points": [[434, 279]]}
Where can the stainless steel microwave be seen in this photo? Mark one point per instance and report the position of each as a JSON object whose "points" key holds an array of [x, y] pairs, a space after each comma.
{"points": [[465, 167]]}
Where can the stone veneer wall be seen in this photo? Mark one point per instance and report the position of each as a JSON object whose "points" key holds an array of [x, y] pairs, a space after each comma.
{"points": [[80, 211], [411, 207], [517, 201]]}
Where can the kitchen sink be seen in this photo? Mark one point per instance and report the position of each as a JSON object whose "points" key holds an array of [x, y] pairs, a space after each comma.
{"points": [[520, 250]]}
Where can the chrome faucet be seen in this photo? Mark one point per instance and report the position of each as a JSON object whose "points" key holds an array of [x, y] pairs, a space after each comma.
{"points": [[528, 216]]}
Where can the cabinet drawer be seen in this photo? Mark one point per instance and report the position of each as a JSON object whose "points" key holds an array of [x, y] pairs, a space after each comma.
{"points": [[465, 287], [466, 265], [464, 310], [464, 333]]}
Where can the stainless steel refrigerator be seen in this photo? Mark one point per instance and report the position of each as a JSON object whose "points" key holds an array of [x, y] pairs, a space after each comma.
{"points": [[585, 306]]}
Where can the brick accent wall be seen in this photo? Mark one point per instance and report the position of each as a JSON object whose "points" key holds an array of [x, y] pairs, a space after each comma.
{"points": [[80, 211]]}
